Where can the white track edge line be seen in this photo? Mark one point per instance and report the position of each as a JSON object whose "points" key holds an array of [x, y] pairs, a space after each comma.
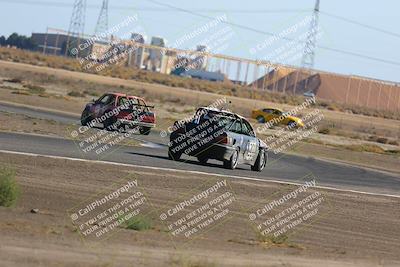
{"points": [[194, 172]]}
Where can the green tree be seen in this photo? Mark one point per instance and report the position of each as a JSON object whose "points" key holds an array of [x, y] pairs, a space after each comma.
{"points": [[3, 41], [21, 41]]}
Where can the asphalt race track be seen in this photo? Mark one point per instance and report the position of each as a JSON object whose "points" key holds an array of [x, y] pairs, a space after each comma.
{"points": [[282, 167]]}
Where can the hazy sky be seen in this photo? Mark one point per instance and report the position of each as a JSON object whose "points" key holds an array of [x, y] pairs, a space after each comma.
{"points": [[172, 25]]}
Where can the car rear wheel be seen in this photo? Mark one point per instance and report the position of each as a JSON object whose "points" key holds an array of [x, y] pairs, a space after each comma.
{"points": [[261, 161], [260, 119], [202, 159], [174, 155], [233, 161], [144, 130]]}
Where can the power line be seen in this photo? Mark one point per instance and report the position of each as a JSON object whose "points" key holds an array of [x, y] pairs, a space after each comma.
{"points": [[360, 55], [152, 9], [361, 24], [281, 37]]}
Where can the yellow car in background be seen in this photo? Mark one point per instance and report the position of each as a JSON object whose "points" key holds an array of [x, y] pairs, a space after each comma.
{"points": [[275, 116]]}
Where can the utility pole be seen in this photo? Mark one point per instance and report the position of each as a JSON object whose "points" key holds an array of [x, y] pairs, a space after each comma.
{"points": [[102, 21], [307, 61], [76, 27], [311, 42]]}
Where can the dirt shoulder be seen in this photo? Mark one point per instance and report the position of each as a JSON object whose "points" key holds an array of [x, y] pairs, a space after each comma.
{"points": [[19, 123], [375, 161], [348, 230]]}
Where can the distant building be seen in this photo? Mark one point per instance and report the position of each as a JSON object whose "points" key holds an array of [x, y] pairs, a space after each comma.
{"points": [[51, 43], [136, 56], [200, 62], [168, 62], [156, 55]]}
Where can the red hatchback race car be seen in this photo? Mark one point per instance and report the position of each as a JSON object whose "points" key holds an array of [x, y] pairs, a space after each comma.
{"points": [[116, 110]]}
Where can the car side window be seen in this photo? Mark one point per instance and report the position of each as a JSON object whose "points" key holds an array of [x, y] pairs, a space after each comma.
{"points": [[122, 100], [134, 102], [266, 110], [277, 112], [236, 127], [247, 129]]}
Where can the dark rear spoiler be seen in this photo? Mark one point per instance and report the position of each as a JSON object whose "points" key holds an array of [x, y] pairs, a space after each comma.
{"points": [[140, 105]]}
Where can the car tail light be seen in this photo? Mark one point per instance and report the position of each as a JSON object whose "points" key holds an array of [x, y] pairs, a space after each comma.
{"points": [[224, 139], [149, 118]]}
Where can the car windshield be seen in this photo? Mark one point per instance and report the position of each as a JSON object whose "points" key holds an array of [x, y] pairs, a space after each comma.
{"points": [[106, 99]]}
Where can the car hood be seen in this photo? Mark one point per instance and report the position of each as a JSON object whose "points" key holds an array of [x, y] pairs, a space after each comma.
{"points": [[296, 119]]}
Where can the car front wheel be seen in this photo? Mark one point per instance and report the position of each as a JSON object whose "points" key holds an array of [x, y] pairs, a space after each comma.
{"points": [[174, 155], [144, 130], [202, 159], [260, 119], [85, 118], [109, 124], [292, 124], [261, 161]]}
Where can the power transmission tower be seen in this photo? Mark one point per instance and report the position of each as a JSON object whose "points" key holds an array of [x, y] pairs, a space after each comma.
{"points": [[76, 27], [102, 21], [311, 42]]}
